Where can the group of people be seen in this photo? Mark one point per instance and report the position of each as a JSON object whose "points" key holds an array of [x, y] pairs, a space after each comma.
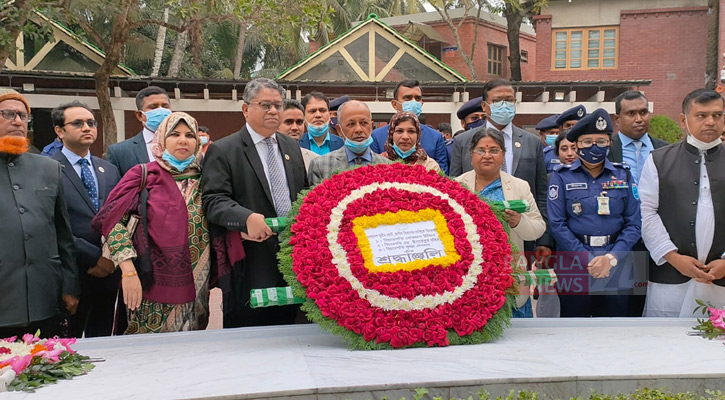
{"points": [[170, 214]]}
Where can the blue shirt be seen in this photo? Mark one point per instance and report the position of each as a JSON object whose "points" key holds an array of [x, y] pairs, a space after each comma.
{"points": [[319, 150], [572, 207], [550, 159], [73, 159], [52, 148], [431, 140], [367, 157], [629, 153]]}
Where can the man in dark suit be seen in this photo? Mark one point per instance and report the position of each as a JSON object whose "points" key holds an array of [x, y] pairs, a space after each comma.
{"points": [[524, 157], [248, 176], [87, 180], [318, 137], [632, 145], [38, 274], [153, 106]]}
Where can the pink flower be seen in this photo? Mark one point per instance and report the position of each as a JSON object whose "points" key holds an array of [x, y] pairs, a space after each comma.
{"points": [[18, 364], [717, 317]]}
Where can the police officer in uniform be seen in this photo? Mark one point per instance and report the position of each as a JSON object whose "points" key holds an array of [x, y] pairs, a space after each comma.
{"points": [[471, 114], [548, 130], [594, 216]]}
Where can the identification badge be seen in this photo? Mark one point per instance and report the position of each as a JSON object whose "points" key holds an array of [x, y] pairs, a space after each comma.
{"points": [[576, 186], [603, 203]]}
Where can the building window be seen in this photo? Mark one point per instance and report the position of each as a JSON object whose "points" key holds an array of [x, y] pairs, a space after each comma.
{"points": [[495, 59], [524, 56], [595, 48]]}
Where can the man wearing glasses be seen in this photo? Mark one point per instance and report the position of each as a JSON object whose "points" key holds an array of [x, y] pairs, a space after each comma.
{"points": [[87, 181], [38, 274], [248, 176], [594, 217]]}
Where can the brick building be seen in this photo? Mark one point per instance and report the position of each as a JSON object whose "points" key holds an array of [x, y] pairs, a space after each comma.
{"points": [[661, 40], [490, 59]]}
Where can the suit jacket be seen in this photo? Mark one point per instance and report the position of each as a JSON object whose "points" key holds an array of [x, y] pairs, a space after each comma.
{"points": [[80, 207], [615, 149], [528, 165], [431, 140], [37, 264], [234, 186], [128, 153], [336, 142], [324, 167]]}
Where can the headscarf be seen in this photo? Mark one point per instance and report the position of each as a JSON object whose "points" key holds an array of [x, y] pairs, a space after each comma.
{"points": [[159, 145], [420, 153]]}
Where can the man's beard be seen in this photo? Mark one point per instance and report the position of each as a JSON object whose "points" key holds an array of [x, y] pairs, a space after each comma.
{"points": [[13, 145]]}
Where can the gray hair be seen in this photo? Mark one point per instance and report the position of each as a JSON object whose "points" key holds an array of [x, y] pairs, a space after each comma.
{"points": [[251, 90], [342, 107]]}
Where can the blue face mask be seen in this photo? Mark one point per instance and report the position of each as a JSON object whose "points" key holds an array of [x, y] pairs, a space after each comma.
{"points": [[550, 139], [203, 140], [174, 162], [403, 154], [414, 107], [474, 125], [318, 131], [333, 123], [594, 154], [359, 147], [504, 113], [155, 116]]}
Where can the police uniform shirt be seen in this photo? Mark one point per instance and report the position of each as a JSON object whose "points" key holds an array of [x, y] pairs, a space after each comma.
{"points": [[551, 159], [573, 207]]}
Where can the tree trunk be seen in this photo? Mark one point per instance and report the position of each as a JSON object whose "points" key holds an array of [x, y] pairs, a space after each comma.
{"points": [[713, 51], [514, 18], [160, 42], [178, 55], [240, 51]]}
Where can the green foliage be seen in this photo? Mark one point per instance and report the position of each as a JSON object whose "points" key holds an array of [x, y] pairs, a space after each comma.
{"points": [[665, 128], [42, 371]]}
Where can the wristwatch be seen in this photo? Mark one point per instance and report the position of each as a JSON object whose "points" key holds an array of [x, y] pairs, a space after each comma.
{"points": [[612, 259]]}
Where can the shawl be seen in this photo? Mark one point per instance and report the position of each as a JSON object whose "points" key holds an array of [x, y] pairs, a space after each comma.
{"points": [[420, 153]]}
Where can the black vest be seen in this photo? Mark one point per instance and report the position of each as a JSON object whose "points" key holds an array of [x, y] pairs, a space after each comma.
{"points": [[678, 168]]}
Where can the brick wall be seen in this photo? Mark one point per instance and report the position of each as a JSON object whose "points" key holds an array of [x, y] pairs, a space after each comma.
{"points": [[664, 45]]}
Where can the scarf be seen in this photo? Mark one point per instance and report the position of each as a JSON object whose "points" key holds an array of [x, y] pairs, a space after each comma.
{"points": [[390, 153]]}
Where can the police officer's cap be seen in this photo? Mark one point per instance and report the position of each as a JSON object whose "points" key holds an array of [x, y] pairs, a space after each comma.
{"points": [[596, 122], [336, 103], [472, 106], [548, 123], [572, 114]]}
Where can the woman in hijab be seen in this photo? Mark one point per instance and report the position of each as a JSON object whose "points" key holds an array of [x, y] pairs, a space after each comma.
{"points": [[166, 267], [404, 141]]}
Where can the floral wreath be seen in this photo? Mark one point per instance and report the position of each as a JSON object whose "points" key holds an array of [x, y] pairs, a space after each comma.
{"points": [[456, 294]]}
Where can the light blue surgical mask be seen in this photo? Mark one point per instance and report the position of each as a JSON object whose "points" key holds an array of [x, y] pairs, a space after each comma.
{"points": [[403, 154], [414, 107], [174, 162], [318, 131], [474, 125], [203, 140], [359, 147], [550, 139], [503, 112], [155, 117]]}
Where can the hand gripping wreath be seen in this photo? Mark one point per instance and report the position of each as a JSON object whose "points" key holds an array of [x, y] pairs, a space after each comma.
{"points": [[398, 256]]}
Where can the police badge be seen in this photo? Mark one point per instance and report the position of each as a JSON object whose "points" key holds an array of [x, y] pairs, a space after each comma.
{"points": [[601, 124], [580, 113], [576, 208]]}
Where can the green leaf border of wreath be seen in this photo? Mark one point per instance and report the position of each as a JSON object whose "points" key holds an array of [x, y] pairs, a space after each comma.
{"points": [[493, 329]]}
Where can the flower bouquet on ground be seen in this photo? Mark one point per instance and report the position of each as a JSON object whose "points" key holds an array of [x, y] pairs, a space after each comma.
{"points": [[31, 362], [714, 325], [393, 256]]}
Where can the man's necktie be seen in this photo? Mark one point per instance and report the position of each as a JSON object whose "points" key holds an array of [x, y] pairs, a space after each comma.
{"points": [[638, 155], [277, 180], [88, 182]]}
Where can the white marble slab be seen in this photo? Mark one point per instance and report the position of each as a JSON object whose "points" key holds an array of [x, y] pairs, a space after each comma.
{"points": [[561, 357]]}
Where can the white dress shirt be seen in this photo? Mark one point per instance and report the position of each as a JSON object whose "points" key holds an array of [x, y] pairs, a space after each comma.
{"points": [[148, 137], [261, 147], [508, 134]]}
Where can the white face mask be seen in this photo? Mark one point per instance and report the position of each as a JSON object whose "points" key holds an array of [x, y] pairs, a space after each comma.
{"points": [[699, 144]]}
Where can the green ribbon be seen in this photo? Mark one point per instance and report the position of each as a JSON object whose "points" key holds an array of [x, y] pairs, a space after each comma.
{"points": [[277, 225], [520, 206], [276, 296], [539, 277]]}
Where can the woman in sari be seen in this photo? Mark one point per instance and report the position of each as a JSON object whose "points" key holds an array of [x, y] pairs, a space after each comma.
{"points": [[404, 141], [170, 252], [490, 183]]}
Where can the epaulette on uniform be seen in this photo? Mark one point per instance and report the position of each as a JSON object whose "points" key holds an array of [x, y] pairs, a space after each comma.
{"points": [[562, 166], [621, 165]]}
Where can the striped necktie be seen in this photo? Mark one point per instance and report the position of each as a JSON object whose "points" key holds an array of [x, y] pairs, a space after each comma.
{"points": [[277, 180]]}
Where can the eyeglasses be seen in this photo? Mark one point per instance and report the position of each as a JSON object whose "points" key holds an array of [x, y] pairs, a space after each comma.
{"points": [[10, 115], [266, 105], [78, 123], [492, 152], [587, 143], [294, 121], [501, 103]]}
